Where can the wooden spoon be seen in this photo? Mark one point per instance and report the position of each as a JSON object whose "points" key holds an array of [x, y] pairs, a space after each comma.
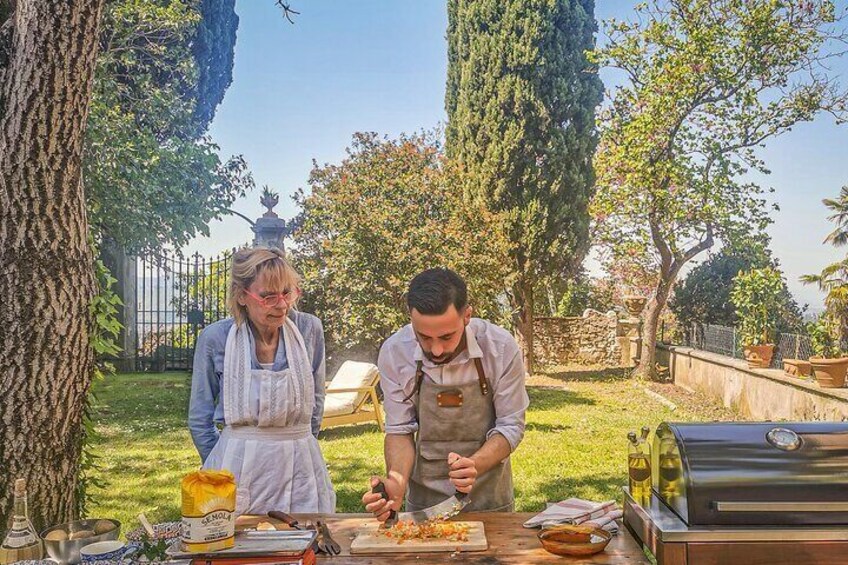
{"points": [[146, 525]]}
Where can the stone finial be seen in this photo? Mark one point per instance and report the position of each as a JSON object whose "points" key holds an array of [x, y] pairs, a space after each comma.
{"points": [[635, 304], [270, 229], [269, 199]]}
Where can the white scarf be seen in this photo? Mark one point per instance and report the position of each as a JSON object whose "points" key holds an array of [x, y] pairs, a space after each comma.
{"points": [[238, 372]]}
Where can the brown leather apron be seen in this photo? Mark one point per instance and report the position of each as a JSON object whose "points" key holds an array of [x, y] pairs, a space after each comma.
{"points": [[455, 418]]}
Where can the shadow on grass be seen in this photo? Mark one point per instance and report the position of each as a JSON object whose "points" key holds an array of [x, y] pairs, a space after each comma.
{"points": [[349, 431], [599, 487], [350, 480], [544, 428], [608, 375], [553, 398]]}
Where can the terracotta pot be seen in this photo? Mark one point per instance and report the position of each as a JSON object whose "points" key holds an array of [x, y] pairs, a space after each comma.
{"points": [[830, 373], [635, 305], [759, 356], [797, 367]]}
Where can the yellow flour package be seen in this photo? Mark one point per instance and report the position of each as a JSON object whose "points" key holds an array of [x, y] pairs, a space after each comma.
{"points": [[209, 508]]}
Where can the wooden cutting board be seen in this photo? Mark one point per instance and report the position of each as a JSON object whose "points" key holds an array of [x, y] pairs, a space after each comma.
{"points": [[369, 541]]}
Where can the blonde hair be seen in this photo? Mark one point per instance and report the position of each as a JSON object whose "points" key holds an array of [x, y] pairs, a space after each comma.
{"points": [[251, 262]]}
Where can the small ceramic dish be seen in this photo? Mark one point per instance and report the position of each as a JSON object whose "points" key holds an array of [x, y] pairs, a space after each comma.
{"points": [[163, 531], [574, 540]]}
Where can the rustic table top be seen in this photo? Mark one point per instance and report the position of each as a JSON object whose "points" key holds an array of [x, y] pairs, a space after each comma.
{"points": [[509, 543]]}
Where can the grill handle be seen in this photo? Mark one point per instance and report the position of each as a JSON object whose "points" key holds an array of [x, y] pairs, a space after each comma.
{"points": [[781, 506]]}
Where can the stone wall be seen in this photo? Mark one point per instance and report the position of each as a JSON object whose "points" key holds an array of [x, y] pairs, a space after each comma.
{"points": [[594, 338], [759, 394]]}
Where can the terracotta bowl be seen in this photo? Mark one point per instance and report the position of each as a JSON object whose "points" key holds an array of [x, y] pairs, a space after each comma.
{"points": [[574, 540]]}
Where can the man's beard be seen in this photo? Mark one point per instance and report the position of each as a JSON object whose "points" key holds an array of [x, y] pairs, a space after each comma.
{"points": [[445, 359]]}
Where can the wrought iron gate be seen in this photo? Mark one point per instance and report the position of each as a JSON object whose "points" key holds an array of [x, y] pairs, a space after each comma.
{"points": [[176, 297]]}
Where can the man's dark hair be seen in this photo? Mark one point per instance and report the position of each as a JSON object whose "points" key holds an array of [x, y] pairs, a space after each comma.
{"points": [[434, 290]]}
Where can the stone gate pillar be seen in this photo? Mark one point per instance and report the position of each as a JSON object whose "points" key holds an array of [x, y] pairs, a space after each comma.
{"points": [[123, 268], [270, 230]]}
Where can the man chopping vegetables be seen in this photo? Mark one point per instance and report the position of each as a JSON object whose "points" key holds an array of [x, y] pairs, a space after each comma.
{"points": [[455, 399]]}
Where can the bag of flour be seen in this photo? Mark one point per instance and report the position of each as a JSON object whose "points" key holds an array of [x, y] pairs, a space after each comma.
{"points": [[209, 505]]}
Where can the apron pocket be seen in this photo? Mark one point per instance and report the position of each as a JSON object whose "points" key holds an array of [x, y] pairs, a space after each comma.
{"points": [[433, 456]]}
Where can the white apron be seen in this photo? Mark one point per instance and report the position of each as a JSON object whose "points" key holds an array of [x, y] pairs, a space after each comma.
{"points": [[267, 442]]}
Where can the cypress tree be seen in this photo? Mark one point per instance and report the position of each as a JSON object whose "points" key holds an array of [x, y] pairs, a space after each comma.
{"points": [[521, 99]]}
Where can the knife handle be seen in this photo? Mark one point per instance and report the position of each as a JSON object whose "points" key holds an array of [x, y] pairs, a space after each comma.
{"points": [[283, 517], [381, 490]]}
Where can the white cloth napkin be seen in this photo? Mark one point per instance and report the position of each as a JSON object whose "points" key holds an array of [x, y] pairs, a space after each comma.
{"points": [[608, 521], [578, 511]]}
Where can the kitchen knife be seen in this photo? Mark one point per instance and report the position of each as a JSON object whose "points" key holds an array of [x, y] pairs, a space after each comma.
{"points": [[444, 510]]}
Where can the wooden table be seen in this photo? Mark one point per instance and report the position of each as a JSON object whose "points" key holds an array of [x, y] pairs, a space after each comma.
{"points": [[509, 543]]}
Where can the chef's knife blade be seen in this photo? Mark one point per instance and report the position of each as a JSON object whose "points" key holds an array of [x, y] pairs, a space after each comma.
{"points": [[444, 510]]}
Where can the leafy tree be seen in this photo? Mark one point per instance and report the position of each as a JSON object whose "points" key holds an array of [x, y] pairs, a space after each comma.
{"points": [[708, 82], [521, 100], [213, 49], [704, 295], [571, 296], [48, 62], [389, 210], [152, 177]]}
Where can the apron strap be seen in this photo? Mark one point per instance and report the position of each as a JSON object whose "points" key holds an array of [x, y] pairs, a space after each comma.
{"points": [[481, 376], [419, 376]]}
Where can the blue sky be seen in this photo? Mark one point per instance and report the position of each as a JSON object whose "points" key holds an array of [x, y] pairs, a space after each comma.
{"points": [[300, 91]]}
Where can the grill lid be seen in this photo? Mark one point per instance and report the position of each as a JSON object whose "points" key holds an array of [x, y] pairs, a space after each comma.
{"points": [[753, 473]]}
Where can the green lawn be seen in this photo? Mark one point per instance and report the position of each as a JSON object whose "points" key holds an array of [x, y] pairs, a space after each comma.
{"points": [[575, 443]]}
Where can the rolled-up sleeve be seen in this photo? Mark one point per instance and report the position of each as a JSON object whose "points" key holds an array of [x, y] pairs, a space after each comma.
{"points": [[205, 388], [400, 416], [319, 372], [510, 397]]}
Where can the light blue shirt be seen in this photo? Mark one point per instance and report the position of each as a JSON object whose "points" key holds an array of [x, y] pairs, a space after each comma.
{"points": [[206, 408], [502, 363]]}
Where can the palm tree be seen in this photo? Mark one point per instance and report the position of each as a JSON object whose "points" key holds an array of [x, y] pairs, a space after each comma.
{"points": [[834, 281], [839, 236], [834, 278]]}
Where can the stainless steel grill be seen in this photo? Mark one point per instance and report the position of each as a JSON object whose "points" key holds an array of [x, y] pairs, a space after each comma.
{"points": [[753, 473], [746, 493]]}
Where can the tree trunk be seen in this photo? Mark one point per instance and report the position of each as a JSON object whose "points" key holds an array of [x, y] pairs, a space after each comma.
{"points": [[648, 359], [47, 279], [523, 319]]}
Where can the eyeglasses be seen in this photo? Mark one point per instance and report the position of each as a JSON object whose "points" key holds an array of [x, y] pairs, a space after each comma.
{"points": [[271, 300]]}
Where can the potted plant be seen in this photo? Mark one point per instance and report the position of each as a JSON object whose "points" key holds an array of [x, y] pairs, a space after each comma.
{"points": [[830, 365], [756, 295]]}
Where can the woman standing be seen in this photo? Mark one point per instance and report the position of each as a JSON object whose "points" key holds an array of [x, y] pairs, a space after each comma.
{"points": [[260, 375]]}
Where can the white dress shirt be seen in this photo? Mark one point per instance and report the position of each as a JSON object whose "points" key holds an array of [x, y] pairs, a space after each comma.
{"points": [[502, 363]]}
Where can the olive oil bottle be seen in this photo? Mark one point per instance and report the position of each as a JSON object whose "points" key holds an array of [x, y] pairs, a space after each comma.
{"points": [[639, 467], [21, 542]]}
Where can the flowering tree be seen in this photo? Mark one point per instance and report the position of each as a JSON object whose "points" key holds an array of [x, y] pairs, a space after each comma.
{"points": [[708, 82], [391, 209]]}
